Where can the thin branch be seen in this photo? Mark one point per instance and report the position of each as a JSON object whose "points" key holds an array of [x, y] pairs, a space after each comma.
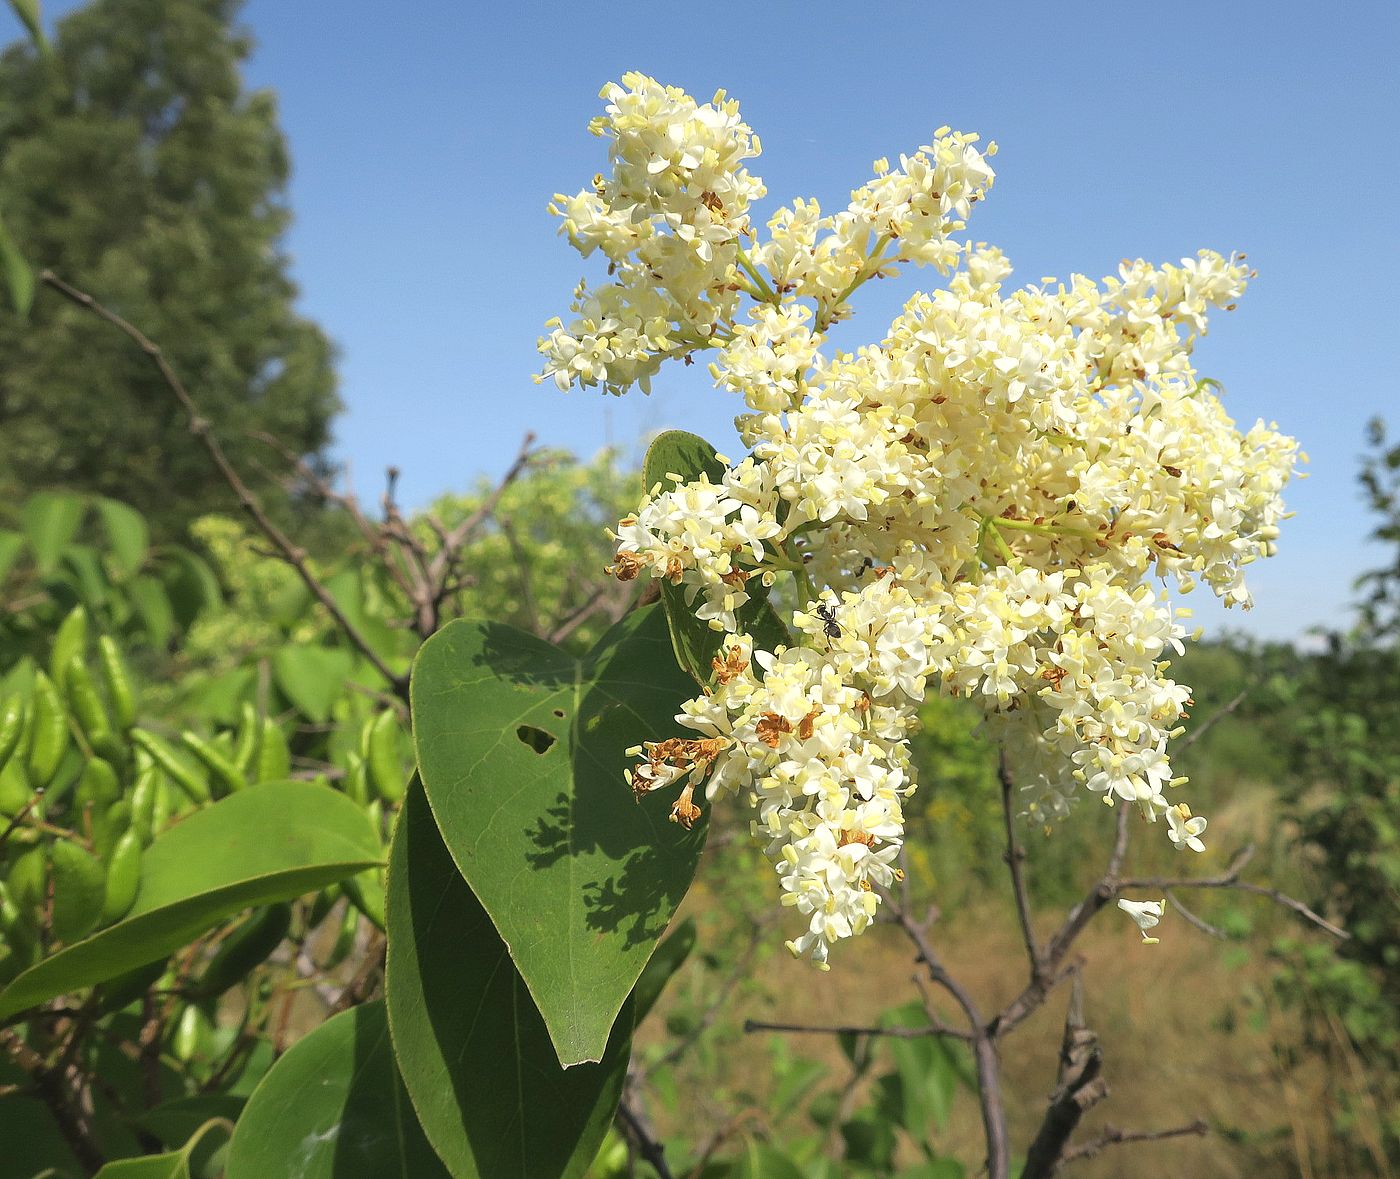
{"points": [[640, 1137], [1015, 856], [1191, 919], [895, 1033], [983, 1047], [199, 427], [522, 568], [1112, 1136], [1216, 717]]}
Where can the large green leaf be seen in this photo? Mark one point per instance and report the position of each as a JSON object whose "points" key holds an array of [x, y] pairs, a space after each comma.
{"points": [[51, 520], [253, 848], [11, 545], [176, 1164], [678, 453], [522, 749], [474, 1053], [311, 677], [333, 1107], [127, 534]]}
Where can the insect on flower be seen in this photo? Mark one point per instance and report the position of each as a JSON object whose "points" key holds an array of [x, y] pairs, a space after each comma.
{"points": [[830, 626]]}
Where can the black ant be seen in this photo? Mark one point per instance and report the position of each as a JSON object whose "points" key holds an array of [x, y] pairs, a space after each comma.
{"points": [[827, 614]]}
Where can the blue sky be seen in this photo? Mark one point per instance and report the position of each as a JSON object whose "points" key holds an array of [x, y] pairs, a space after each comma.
{"points": [[427, 139]]}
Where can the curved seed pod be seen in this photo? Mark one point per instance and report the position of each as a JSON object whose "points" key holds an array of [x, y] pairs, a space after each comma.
{"points": [[189, 1030], [386, 771], [245, 749], [99, 786], [126, 988], [224, 772], [83, 699], [321, 906], [123, 878], [366, 893], [143, 804], [27, 882], [170, 763], [111, 827], [274, 756], [115, 675], [79, 888], [15, 790], [345, 938], [164, 805], [69, 640], [48, 731], [247, 948], [11, 728]]}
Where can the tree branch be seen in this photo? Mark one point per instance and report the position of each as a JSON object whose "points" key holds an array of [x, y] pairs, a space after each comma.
{"points": [[1112, 1136], [199, 427], [1015, 856]]}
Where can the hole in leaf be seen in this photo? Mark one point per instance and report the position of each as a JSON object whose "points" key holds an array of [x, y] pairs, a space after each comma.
{"points": [[559, 712], [536, 739]]}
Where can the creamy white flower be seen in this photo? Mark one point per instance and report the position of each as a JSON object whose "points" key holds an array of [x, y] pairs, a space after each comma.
{"points": [[1184, 829], [1146, 915]]}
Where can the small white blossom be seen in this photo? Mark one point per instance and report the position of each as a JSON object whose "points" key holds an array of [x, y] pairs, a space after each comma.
{"points": [[1146, 915]]}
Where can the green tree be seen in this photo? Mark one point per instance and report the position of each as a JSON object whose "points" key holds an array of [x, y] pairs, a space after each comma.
{"points": [[133, 162]]}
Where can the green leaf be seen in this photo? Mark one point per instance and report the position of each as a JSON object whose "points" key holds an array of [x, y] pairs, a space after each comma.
{"points": [[153, 607], [311, 677], [253, 848], [522, 749], [190, 584], [176, 1121], [928, 1072], [475, 1055], [176, 1164], [670, 956], [126, 533], [51, 520], [333, 1107], [28, 13], [677, 452], [764, 1162], [19, 277], [11, 545]]}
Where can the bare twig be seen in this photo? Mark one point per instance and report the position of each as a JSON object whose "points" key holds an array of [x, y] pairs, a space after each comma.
{"points": [[895, 1033], [1015, 856], [1216, 717], [293, 554], [1112, 1136], [640, 1137], [1080, 1086], [983, 1046], [1191, 919]]}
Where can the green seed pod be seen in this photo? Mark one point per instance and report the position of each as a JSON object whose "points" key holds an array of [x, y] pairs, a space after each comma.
{"points": [[356, 780], [48, 731], [69, 641], [79, 888], [345, 938], [12, 921], [321, 906], [386, 771], [245, 750], [125, 989], [99, 786], [189, 1029], [170, 762], [366, 893], [246, 949], [15, 790], [274, 757], [164, 805], [85, 702], [123, 878], [111, 827], [225, 773], [28, 879], [118, 681], [143, 804], [11, 728]]}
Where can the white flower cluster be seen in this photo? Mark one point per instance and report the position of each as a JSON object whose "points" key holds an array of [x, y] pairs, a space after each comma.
{"points": [[975, 505]]}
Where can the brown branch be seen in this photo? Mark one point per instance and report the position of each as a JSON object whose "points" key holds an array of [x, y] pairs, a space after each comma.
{"points": [[1015, 856], [1112, 1136], [1217, 716], [640, 1138], [1192, 919], [983, 1046], [896, 1033], [63, 1091], [1079, 1087], [199, 427]]}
